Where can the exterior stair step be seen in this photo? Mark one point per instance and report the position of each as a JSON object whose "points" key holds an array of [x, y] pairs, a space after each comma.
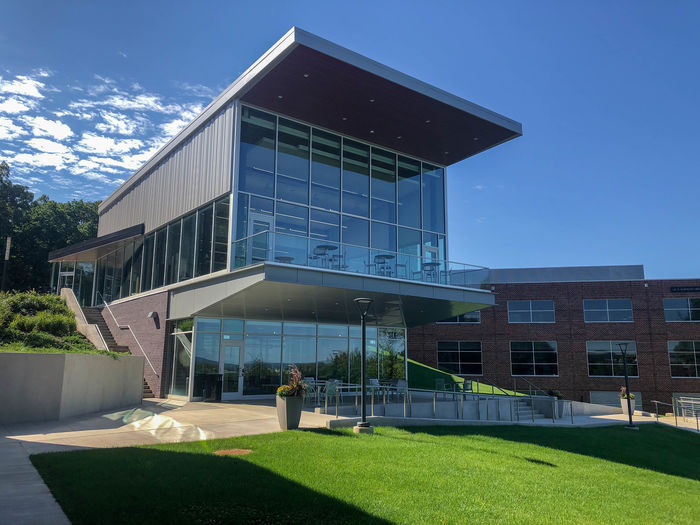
{"points": [[147, 392]]}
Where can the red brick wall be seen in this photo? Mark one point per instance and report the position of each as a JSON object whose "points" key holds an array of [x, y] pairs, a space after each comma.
{"points": [[152, 337], [649, 329]]}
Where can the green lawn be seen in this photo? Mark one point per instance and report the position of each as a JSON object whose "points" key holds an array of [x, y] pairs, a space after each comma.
{"points": [[421, 475]]}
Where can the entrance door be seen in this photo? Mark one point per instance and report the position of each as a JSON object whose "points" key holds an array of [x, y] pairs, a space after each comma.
{"points": [[259, 244], [230, 366], [65, 280]]}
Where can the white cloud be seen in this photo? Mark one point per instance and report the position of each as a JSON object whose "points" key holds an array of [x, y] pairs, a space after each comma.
{"points": [[479, 187], [13, 105], [52, 128], [57, 161], [48, 146], [9, 130], [122, 54], [91, 143], [84, 115], [118, 123], [22, 85], [123, 101], [480, 220], [198, 90]]}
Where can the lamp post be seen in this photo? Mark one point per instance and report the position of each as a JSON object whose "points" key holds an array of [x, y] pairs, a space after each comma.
{"points": [[363, 427], [623, 350]]}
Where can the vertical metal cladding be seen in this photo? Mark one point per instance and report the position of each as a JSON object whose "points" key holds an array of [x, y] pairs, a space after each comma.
{"points": [[198, 171]]}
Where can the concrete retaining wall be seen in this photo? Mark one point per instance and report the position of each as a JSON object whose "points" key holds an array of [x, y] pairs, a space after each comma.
{"points": [[44, 387]]}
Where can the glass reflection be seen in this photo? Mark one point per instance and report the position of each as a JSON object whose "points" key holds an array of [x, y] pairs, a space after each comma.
{"points": [[355, 178], [293, 162], [325, 171], [257, 152]]}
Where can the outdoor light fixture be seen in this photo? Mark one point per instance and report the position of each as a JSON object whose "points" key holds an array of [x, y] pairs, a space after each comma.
{"points": [[363, 427], [623, 350], [154, 316]]}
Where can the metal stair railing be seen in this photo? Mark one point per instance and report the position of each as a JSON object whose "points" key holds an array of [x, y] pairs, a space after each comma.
{"points": [[126, 326], [329, 393], [532, 388]]}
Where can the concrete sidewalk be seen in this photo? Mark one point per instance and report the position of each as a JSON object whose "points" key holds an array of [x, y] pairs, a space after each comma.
{"points": [[25, 498]]}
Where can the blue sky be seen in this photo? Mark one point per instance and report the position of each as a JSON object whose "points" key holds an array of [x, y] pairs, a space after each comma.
{"points": [[607, 172]]}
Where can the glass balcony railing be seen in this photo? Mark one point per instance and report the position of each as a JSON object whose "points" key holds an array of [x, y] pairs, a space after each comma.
{"points": [[315, 253]]}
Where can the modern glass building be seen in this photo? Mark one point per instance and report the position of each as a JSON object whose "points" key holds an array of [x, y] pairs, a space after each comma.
{"points": [[318, 176]]}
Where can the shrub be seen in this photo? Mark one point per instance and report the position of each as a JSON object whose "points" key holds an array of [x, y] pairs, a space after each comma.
{"points": [[55, 324], [30, 303], [10, 335], [6, 314], [43, 340]]}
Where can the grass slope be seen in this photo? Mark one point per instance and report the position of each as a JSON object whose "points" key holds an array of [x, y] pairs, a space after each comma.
{"points": [[423, 376], [419, 475]]}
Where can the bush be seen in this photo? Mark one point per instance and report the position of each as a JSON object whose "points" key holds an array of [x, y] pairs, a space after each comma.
{"points": [[55, 324], [10, 335], [43, 340], [31, 303]]}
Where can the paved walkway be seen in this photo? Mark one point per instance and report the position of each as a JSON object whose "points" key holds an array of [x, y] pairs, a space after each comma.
{"points": [[26, 500]]}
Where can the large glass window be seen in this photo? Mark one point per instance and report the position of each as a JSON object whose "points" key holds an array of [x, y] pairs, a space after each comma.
{"points": [[187, 247], [383, 236], [355, 178], [300, 351], [205, 225], [257, 152], [460, 357], [355, 231], [221, 214], [126, 270], [159, 258], [118, 262], [391, 351], [172, 253], [333, 358], [608, 311], [181, 341], [533, 358], [148, 245], [433, 198], [325, 226], [605, 358], [409, 192], [541, 311], [468, 318], [292, 219], [383, 185], [325, 171], [136, 267], [262, 364], [684, 357], [293, 162], [682, 309]]}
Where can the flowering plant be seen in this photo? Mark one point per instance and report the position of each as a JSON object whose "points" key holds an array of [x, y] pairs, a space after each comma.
{"points": [[623, 393], [296, 385]]}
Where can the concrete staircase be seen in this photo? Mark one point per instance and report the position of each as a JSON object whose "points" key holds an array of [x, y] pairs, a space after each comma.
{"points": [[524, 412], [147, 392], [94, 316]]}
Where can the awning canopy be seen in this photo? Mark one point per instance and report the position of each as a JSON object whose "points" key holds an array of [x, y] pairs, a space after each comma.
{"points": [[270, 291], [95, 248]]}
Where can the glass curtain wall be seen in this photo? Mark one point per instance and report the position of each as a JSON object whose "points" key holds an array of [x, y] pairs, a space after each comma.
{"points": [[194, 245], [181, 343], [321, 351], [332, 189]]}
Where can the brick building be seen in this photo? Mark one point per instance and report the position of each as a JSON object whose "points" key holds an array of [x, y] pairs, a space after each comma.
{"points": [[573, 320]]}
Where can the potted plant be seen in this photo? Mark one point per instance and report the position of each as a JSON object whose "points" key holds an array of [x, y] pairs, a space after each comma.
{"points": [[290, 398], [623, 400]]}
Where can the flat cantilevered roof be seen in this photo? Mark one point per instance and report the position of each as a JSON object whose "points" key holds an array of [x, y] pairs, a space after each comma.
{"points": [[311, 79]]}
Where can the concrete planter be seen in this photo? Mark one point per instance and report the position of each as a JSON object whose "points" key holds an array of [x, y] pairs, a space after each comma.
{"points": [[623, 404], [289, 411]]}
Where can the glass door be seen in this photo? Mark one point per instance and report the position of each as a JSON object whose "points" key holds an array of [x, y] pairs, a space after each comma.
{"points": [[230, 367], [258, 242]]}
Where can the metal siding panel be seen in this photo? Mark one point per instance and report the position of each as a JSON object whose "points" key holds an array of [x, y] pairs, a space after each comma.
{"points": [[197, 172]]}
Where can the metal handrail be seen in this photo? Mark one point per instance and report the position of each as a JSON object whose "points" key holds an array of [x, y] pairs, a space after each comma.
{"points": [[530, 384], [132, 334], [84, 319], [449, 273], [484, 379]]}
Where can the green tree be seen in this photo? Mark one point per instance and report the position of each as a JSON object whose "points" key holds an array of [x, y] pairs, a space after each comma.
{"points": [[38, 227]]}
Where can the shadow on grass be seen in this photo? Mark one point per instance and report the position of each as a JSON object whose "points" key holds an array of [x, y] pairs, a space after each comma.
{"points": [[653, 447], [136, 485]]}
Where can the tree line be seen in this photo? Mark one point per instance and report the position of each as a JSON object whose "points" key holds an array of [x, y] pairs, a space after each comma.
{"points": [[36, 227]]}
